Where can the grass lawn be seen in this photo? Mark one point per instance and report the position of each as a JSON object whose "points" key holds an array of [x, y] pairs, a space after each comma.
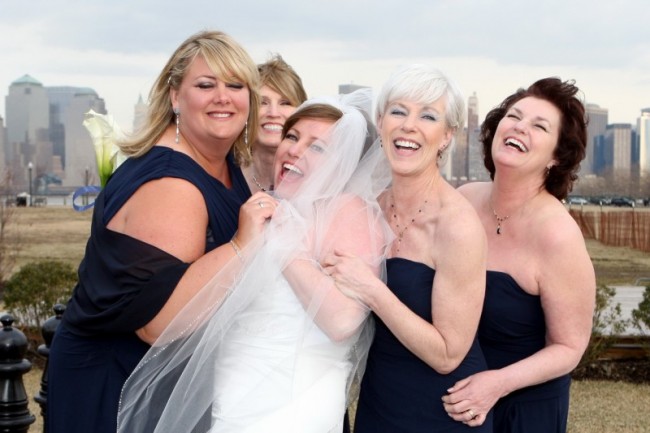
{"points": [[59, 233]]}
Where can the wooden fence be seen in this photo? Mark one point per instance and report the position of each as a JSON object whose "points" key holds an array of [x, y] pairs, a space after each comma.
{"points": [[617, 227]]}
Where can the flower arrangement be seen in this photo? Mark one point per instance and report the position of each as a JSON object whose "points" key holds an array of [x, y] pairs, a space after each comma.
{"points": [[105, 134]]}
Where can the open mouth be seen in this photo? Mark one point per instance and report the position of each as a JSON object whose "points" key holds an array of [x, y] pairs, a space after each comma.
{"points": [[516, 144], [407, 145], [291, 170], [220, 115], [272, 127]]}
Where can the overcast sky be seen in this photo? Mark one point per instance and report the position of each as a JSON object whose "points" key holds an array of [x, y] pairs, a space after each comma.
{"points": [[491, 47]]}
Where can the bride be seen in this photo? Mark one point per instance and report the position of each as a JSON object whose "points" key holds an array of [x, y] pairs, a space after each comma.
{"points": [[270, 345]]}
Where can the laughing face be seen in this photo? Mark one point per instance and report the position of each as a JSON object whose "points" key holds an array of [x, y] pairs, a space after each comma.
{"points": [[413, 133], [211, 109], [274, 111], [527, 135], [299, 154]]}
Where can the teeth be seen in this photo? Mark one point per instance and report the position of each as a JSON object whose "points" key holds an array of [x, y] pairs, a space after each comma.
{"points": [[407, 144], [516, 144], [293, 168], [221, 115], [272, 127]]}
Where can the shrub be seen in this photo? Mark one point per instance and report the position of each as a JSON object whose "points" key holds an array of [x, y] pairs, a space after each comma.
{"points": [[31, 293], [607, 322], [641, 315]]}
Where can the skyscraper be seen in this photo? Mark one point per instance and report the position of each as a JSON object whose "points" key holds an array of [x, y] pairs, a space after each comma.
{"points": [[643, 133], [139, 114], [28, 118], [597, 125], [45, 127], [475, 167]]}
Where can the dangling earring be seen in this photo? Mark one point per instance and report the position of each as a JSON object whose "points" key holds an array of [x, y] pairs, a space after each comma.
{"points": [[177, 112], [246, 134], [548, 170]]}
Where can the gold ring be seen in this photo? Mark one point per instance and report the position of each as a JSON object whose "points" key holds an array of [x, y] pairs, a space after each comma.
{"points": [[471, 414]]}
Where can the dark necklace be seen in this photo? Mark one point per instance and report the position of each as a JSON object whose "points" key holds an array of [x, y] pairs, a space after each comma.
{"points": [[270, 188], [401, 230], [499, 219]]}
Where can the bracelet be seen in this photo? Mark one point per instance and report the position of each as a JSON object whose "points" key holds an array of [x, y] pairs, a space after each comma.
{"points": [[236, 248]]}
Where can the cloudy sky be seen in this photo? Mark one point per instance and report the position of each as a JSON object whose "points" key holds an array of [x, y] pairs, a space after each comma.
{"points": [[490, 47]]}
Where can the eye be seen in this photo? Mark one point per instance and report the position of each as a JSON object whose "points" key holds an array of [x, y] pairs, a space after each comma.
{"points": [[431, 117], [542, 127], [265, 102], [205, 85], [317, 146], [286, 102], [291, 136], [513, 116], [396, 111], [236, 86]]}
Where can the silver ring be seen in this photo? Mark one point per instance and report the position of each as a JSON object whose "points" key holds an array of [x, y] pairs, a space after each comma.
{"points": [[261, 203], [471, 413]]}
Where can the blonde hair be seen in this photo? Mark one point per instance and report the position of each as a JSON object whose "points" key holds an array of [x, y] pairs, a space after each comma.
{"points": [[281, 77], [227, 60]]}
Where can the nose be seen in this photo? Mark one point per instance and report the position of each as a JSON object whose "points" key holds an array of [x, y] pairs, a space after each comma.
{"points": [[221, 94], [273, 110], [297, 149], [409, 123], [521, 126]]}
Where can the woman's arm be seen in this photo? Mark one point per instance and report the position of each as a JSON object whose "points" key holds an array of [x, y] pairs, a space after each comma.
{"points": [[170, 214], [355, 230], [567, 291], [457, 293]]}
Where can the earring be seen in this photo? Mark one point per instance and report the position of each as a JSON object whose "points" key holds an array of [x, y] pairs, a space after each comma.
{"points": [[246, 134], [177, 112]]}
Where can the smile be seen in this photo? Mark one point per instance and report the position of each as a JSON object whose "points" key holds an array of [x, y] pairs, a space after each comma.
{"points": [[512, 142], [405, 144], [272, 127], [292, 168]]}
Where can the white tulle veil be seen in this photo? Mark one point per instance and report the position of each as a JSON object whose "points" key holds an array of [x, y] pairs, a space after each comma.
{"points": [[173, 387]]}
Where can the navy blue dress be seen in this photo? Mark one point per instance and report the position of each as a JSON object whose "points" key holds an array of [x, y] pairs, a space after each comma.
{"points": [[123, 284], [512, 328], [399, 392]]}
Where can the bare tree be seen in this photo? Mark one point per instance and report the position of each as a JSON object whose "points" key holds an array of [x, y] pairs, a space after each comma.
{"points": [[9, 246]]}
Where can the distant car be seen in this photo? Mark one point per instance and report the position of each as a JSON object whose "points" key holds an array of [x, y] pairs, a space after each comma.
{"points": [[577, 200], [623, 202]]}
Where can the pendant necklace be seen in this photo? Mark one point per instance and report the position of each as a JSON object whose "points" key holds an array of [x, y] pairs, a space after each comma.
{"points": [[270, 188], [400, 232], [499, 219]]}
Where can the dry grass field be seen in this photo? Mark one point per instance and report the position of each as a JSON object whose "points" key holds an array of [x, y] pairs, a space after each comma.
{"points": [[596, 406]]}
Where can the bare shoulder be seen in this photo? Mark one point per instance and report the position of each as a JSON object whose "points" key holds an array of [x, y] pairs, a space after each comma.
{"points": [[557, 229], [458, 220], [473, 190]]}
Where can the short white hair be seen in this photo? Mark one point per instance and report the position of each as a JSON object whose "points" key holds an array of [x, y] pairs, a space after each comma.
{"points": [[423, 84]]}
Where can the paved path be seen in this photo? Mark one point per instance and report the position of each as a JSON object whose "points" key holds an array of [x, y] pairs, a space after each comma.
{"points": [[629, 298]]}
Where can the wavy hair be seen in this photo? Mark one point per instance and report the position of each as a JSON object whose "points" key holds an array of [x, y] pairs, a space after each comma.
{"points": [[228, 60], [572, 141]]}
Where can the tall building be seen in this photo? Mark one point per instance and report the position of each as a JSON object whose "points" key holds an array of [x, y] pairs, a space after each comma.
{"points": [[475, 167], [78, 157], [45, 127], [139, 114], [615, 151], [3, 150], [643, 134], [598, 118], [28, 118]]}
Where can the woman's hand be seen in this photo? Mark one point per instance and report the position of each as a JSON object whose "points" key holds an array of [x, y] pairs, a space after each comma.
{"points": [[470, 399], [353, 277], [253, 215]]}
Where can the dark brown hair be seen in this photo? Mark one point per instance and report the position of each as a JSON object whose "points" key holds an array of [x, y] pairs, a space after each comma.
{"points": [[572, 140], [312, 111]]}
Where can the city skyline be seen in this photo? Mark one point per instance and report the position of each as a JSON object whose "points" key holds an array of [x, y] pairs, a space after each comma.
{"points": [[114, 48]]}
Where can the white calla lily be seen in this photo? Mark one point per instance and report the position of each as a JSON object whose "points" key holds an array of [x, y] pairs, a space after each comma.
{"points": [[105, 133]]}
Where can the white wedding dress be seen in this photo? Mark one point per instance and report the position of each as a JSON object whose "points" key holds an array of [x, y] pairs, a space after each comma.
{"points": [[247, 354], [277, 372]]}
